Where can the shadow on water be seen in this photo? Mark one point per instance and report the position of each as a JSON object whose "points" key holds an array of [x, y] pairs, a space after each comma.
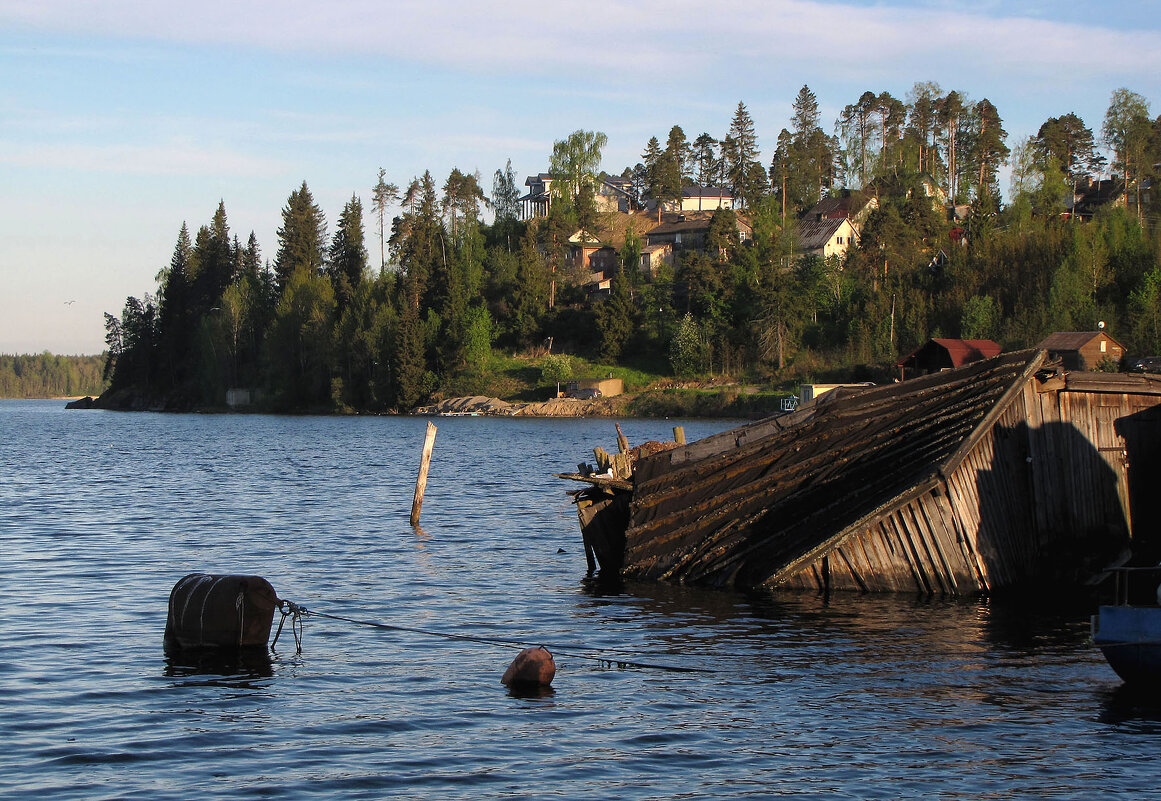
{"points": [[1129, 704], [531, 691], [238, 663]]}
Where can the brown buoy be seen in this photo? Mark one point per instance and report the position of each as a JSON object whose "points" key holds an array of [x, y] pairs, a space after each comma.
{"points": [[531, 667], [220, 612]]}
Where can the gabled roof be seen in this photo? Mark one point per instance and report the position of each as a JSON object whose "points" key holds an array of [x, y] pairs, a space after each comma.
{"points": [[1097, 193], [698, 221], [1072, 340], [848, 204], [814, 234], [957, 352]]}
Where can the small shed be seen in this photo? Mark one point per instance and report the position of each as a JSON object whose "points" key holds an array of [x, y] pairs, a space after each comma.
{"points": [[608, 387], [945, 354], [1083, 350]]}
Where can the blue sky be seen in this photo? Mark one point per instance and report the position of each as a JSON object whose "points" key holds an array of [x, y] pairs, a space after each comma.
{"points": [[121, 119]]}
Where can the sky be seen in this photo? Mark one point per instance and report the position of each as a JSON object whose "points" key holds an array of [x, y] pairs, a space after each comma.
{"points": [[122, 119]]}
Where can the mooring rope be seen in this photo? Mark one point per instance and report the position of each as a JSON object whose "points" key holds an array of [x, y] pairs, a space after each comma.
{"points": [[604, 657]]}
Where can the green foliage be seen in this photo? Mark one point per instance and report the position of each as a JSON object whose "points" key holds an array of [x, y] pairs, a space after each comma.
{"points": [[614, 318], [555, 368], [45, 375], [980, 318], [689, 352], [302, 237], [321, 331]]}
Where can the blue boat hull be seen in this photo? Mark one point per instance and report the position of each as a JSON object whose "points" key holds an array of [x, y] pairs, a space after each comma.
{"points": [[1130, 639]]}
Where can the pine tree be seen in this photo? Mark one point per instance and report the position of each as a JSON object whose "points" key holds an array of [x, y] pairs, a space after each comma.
{"points": [[301, 239], [988, 149], [383, 194], [347, 263], [741, 154], [505, 194]]}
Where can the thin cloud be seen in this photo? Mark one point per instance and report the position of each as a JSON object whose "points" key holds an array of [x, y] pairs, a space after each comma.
{"points": [[647, 38]]}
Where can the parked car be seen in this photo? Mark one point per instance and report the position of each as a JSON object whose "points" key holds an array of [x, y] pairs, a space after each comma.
{"points": [[587, 394], [1143, 364]]}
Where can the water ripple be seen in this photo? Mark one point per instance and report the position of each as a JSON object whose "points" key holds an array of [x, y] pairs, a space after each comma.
{"points": [[858, 697]]}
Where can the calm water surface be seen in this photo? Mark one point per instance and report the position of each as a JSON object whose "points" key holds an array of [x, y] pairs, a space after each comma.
{"points": [[847, 697]]}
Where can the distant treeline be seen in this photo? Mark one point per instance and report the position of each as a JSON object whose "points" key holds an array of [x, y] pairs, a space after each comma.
{"points": [[47, 376], [940, 255]]}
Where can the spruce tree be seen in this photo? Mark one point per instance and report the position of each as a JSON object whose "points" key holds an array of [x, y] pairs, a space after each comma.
{"points": [[347, 263], [301, 239]]}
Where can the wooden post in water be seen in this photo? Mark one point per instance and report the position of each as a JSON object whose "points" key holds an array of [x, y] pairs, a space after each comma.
{"points": [[622, 440], [679, 435], [421, 481]]}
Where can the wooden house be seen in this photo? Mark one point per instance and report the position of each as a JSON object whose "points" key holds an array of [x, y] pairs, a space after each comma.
{"points": [[850, 205], [993, 475], [826, 237], [689, 231], [653, 256], [1083, 350]]}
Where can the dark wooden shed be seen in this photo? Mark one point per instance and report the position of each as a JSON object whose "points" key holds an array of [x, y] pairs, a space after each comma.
{"points": [[1083, 350], [945, 354]]}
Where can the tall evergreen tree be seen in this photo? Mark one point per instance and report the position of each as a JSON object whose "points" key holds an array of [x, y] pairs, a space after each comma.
{"points": [[505, 194], [741, 155], [417, 240], [301, 239], [347, 262], [988, 148]]}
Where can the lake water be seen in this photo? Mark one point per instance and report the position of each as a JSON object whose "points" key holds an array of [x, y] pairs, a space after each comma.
{"points": [[847, 697]]}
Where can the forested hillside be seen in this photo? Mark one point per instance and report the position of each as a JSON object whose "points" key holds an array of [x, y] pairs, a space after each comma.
{"points": [[458, 275], [48, 376]]}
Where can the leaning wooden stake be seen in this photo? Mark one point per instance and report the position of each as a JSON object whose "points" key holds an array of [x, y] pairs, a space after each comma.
{"points": [[622, 440], [421, 482], [679, 435]]}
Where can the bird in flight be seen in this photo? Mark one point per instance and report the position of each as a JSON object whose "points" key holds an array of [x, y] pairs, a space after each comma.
{"points": [[69, 302]]}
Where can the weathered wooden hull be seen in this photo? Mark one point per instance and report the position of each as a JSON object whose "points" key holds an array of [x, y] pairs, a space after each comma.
{"points": [[961, 482]]}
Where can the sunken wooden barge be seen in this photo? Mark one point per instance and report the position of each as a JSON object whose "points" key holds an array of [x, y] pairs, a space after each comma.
{"points": [[967, 481]]}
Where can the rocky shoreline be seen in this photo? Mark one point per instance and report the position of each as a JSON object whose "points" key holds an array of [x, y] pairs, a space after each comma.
{"points": [[481, 406]]}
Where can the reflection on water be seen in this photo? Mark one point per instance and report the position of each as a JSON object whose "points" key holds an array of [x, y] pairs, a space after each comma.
{"points": [[806, 695], [248, 663]]}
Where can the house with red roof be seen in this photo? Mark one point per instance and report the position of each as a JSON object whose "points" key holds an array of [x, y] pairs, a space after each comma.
{"points": [[945, 354]]}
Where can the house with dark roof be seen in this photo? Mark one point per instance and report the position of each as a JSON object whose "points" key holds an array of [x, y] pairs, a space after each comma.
{"points": [[539, 197], [689, 231], [855, 206], [946, 354], [1083, 350], [1094, 194], [826, 237], [610, 194]]}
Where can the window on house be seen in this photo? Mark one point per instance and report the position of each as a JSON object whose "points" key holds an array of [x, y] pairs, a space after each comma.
{"points": [[838, 240], [1103, 343]]}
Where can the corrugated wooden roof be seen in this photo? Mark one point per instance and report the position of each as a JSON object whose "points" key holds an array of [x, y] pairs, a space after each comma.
{"points": [[749, 504]]}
